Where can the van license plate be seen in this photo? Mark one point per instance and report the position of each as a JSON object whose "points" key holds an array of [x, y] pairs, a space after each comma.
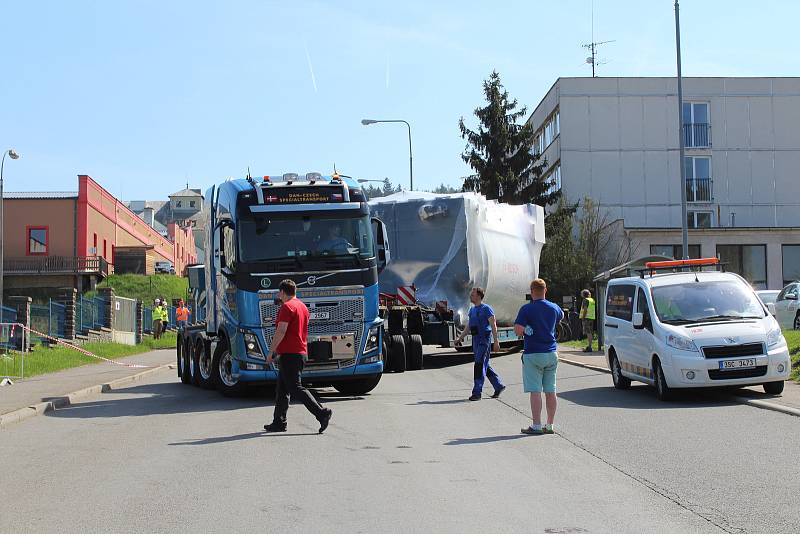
{"points": [[737, 364], [319, 315]]}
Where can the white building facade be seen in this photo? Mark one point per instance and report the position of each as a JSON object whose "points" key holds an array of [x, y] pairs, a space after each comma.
{"points": [[615, 140]]}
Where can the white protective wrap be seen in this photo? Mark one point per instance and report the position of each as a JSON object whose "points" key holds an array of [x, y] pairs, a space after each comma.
{"points": [[446, 244]]}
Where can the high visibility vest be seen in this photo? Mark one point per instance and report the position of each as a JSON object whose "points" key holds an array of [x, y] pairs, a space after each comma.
{"points": [[157, 316], [164, 314], [589, 312], [182, 314]]}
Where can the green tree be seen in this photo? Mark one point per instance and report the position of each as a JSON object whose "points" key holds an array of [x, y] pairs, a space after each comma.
{"points": [[562, 263], [388, 189], [445, 189], [501, 153]]}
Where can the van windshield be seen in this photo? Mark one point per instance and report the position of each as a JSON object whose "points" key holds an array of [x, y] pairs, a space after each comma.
{"points": [[696, 302]]}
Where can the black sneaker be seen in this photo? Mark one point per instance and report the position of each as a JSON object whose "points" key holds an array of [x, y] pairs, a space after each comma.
{"points": [[498, 392], [275, 427], [324, 419], [475, 397]]}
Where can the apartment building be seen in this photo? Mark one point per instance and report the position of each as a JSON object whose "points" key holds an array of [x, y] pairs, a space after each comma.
{"points": [[616, 140]]}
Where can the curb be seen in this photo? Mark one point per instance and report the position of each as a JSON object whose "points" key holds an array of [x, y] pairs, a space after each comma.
{"points": [[764, 405], [55, 403]]}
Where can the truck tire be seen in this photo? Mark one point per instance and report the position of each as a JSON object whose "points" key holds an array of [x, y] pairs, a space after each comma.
{"points": [[184, 355], [397, 353], [222, 371], [362, 386], [203, 377], [414, 352], [385, 355], [179, 356]]}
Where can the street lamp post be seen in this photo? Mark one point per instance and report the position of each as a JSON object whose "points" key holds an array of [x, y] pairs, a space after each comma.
{"points": [[681, 141], [367, 122], [13, 155]]}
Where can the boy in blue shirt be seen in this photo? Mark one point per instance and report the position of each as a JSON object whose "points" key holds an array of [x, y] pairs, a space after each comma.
{"points": [[483, 328], [537, 321]]}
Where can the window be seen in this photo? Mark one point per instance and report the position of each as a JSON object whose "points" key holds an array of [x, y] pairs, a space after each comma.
{"points": [[698, 179], [698, 219], [547, 133], [791, 263], [95, 245], [105, 248], [619, 302], [37, 240], [644, 309], [749, 261], [696, 129], [191, 203], [789, 290], [674, 251], [177, 203]]}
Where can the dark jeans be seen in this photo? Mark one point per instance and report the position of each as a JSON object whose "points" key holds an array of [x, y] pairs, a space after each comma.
{"points": [[289, 385], [483, 351]]}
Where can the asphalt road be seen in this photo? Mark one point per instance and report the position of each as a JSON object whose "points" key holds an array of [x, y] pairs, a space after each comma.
{"points": [[413, 456]]}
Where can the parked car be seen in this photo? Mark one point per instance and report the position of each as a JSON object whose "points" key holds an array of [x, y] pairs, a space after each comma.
{"points": [[164, 267], [692, 329], [787, 310], [768, 297]]}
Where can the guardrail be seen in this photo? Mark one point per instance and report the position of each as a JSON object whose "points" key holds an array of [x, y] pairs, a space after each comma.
{"points": [[56, 265]]}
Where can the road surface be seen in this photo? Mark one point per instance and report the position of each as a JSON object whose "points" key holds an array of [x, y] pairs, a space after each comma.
{"points": [[413, 456]]}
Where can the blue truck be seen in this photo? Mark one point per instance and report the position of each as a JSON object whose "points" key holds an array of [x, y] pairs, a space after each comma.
{"points": [[313, 229]]}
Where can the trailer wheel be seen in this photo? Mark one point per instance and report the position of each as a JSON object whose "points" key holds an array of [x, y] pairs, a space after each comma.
{"points": [[362, 386], [184, 355], [397, 353], [222, 371], [179, 355], [201, 358], [414, 351]]}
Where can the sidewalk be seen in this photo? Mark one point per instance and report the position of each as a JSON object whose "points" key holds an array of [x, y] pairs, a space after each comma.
{"points": [[790, 397], [44, 387]]}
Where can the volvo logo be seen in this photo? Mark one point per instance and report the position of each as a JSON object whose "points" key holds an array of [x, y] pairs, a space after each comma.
{"points": [[266, 282], [730, 340], [311, 280]]}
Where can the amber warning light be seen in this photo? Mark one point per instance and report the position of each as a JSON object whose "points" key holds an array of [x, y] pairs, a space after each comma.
{"points": [[681, 263]]}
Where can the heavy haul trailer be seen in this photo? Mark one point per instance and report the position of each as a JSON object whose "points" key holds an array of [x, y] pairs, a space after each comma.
{"points": [[314, 230], [443, 245]]}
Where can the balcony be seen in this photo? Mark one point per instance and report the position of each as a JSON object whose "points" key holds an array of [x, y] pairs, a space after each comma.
{"points": [[56, 265], [699, 190], [697, 135]]}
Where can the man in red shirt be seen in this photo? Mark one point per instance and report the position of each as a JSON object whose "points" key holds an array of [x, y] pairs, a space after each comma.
{"points": [[290, 344]]}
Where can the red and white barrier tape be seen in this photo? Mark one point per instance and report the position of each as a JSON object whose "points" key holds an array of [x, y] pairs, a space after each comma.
{"points": [[84, 351]]}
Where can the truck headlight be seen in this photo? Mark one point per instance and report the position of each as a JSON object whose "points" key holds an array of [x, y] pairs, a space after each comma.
{"points": [[774, 337], [251, 346], [373, 338], [681, 343]]}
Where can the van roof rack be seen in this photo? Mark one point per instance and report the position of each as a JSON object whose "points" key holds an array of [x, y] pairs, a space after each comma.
{"points": [[694, 265]]}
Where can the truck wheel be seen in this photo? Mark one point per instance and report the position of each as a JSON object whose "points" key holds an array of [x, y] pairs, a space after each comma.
{"points": [[362, 386], [184, 356], [222, 371], [201, 359], [414, 351], [385, 355], [774, 388], [397, 354], [179, 355]]}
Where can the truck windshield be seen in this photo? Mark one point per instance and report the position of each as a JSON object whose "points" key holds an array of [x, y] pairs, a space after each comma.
{"points": [[706, 301], [271, 237]]}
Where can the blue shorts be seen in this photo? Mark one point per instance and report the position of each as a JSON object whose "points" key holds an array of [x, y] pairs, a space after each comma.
{"points": [[539, 372]]}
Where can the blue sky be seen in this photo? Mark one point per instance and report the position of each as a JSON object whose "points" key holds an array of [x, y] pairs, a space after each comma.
{"points": [[145, 95]]}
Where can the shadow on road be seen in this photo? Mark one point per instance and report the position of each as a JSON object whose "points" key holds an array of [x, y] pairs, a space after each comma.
{"points": [[449, 358], [426, 402], [487, 439], [239, 437], [639, 398], [175, 398]]}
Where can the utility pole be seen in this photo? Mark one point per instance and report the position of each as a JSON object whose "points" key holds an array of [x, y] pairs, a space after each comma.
{"points": [[681, 141]]}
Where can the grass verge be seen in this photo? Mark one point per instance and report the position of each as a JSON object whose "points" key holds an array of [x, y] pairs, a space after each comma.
{"points": [[147, 288], [793, 340], [48, 360]]}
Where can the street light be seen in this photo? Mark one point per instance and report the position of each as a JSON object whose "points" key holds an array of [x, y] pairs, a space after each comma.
{"points": [[13, 155], [363, 181], [681, 142], [367, 122]]}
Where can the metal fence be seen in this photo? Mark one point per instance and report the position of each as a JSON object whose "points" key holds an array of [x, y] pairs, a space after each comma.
{"points": [[10, 337], [89, 314], [147, 318], [124, 314], [48, 319]]}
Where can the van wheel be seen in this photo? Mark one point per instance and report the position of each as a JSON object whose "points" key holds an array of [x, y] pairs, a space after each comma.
{"points": [[397, 353], [414, 351], [222, 371], [663, 391], [620, 381], [201, 359], [796, 323], [774, 388]]}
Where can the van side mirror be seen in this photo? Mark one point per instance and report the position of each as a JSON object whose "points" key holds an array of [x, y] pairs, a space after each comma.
{"points": [[381, 237], [638, 321], [790, 296]]}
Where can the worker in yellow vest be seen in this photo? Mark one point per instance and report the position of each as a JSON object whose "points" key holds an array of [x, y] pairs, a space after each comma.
{"points": [[587, 315]]}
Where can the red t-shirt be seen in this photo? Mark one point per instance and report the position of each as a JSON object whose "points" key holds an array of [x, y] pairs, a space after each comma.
{"points": [[295, 314]]}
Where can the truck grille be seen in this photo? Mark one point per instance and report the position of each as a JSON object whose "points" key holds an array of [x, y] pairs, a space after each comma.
{"points": [[734, 351], [716, 374]]}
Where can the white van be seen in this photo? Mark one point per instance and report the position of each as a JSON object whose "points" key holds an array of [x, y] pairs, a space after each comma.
{"points": [[691, 329]]}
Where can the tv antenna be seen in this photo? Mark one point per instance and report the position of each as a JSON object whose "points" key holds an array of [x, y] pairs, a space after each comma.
{"points": [[592, 47]]}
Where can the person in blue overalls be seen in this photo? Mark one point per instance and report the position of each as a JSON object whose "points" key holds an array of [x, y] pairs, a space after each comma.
{"points": [[483, 328]]}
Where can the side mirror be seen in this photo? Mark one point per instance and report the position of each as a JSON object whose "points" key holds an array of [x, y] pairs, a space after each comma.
{"points": [[638, 320], [790, 296], [381, 237]]}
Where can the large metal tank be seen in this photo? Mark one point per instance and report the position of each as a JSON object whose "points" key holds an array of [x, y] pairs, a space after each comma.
{"points": [[446, 244]]}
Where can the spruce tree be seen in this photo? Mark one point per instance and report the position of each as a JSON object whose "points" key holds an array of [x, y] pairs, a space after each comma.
{"points": [[501, 153]]}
